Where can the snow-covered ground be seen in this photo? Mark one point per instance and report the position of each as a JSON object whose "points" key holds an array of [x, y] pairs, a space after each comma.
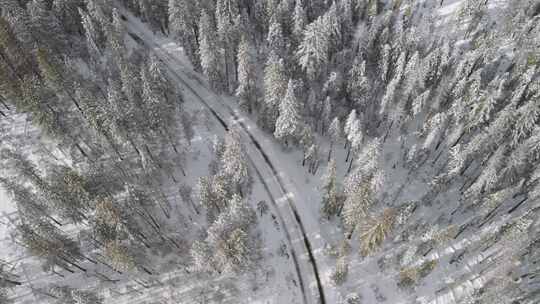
{"points": [[304, 274]]}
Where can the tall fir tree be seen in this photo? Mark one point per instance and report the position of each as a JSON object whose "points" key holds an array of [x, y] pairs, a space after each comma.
{"points": [[247, 76], [208, 49], [288, 124]]}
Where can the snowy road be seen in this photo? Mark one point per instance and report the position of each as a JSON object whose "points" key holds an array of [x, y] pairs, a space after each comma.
{"points": [[259, 153]]}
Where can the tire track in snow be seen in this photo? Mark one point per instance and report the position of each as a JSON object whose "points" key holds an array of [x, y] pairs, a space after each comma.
{"points": [[257, 145]]}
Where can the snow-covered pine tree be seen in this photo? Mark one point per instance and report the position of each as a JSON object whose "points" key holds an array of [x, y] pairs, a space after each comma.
{"points": [[213, 194], [358, 200], [275, 87], [335, 133], [51, 189], [66, 294], [201, 254], [45, 26], [326, 115], [183, 25], [331, 203], [358, 87], [353, 133], [314, 50], [346, 14], [233, 164], [67, 194], [226, 14], [349, 122], [247, 76], [288, 124], [14, 57], [393, 86], [341, 271], [67, 11], [307, 140], [94, 37], [355, 138], [8, 280], [276, 40], [50, 244], [29, 205], [375, 229], [230, 237], [115, 36], [55, 78], [385, 62], [120, 257], [208, 51], [299, 21]]}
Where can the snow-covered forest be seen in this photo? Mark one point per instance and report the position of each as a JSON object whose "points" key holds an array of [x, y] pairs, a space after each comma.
{"points": [[270, 151]]}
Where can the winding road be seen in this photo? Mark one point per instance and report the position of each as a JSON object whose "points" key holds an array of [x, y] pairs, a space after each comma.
{"points": [[292, 223]]}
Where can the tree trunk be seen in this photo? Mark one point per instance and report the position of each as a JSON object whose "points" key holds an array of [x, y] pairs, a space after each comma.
{"points": [[75, 102], [73, 264], [349, 235], [388, 131], [10, 65], [330, 151], [340, 209], [167, 134], [113, 145], [130, 140], [16, 283], [82, 151], [152, 156], [3, 102]]}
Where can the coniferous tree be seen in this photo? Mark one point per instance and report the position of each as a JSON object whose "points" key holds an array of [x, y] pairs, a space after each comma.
{"points": [[12, 54], [29, 205], [247, 76], [208, 52], [55, 78], [300, 20], [275, 87], [358, 198], [234, 167], [375, 229], [330, 200], [47, 242], [68, 14], [94, 37], [339, 276], [335, 133], [120, 256], [358, 84], [183, 26], [288, 124], [68, 295], [46, 27], [7, 280], [227, 12], [313, 51], [275, 39], [230, 237]]}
